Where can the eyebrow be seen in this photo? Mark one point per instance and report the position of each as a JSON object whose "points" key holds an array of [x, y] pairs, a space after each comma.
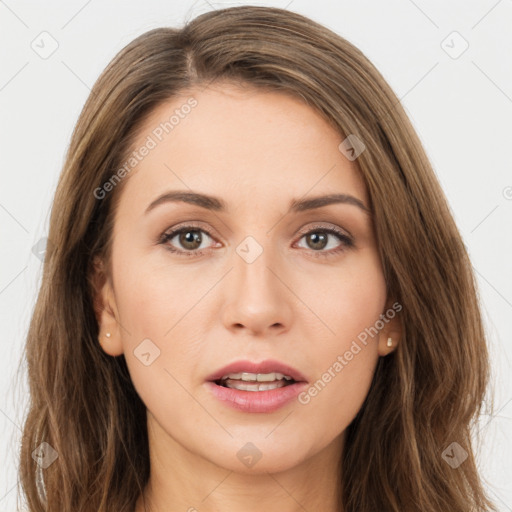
{"points": [[217, 204]]}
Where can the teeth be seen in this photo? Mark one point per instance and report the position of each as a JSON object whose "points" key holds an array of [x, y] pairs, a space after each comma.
{"points": [[242, 386], [256, 377]]}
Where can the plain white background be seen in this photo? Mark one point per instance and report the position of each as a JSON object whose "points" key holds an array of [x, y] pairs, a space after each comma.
{"points": [[449, 63]]}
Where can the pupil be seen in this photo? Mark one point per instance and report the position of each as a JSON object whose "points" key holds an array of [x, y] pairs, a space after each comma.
{"points": [[315, 237], [191, 237]]}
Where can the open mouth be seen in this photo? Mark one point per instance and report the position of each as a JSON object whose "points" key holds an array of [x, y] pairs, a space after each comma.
{"points": [[252, 387], [255, 381]]}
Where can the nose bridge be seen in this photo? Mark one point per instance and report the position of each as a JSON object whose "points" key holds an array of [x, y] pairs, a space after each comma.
{"points": [[258, 298], [254, 255]]}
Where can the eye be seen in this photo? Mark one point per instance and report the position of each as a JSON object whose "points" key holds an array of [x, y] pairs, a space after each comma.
{"points": [[318, 238], [191, 239]]}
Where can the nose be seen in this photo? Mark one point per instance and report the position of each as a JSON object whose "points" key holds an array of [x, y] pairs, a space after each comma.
{"points": [[259, 299]]}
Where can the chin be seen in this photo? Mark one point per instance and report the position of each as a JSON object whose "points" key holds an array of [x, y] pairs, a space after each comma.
{"points": [[259, 457]]}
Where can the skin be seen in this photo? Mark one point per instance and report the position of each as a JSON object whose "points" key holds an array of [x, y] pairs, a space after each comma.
{"points": [[257, 151]]}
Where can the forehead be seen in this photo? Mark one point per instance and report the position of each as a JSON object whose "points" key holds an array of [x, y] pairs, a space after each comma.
{"points": [[246, 143]]}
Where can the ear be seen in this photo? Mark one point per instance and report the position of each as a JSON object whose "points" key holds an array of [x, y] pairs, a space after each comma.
{"points": [[392, 329], [105, 310]]}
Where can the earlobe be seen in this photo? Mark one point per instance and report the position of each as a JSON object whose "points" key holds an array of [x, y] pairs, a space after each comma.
{"points": [[390, 335], [109, 334], [111, 343], [388, 342]]}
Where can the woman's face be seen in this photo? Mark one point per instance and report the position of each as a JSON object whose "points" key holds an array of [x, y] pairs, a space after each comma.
{"points": [[251, 279]]}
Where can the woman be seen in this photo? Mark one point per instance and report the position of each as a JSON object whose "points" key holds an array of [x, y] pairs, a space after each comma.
{"points": [[256, 297]]}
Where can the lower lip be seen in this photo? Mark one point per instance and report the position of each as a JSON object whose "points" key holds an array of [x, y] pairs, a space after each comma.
{"points": [[256, 401]]}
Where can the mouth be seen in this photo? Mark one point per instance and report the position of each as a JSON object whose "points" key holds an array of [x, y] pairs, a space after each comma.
{"points": [[245, 381], [252, 387], [251, 376]]}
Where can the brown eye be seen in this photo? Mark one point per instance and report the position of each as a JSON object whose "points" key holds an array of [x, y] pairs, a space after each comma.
{"points": [[190, 239], [317, 240], [186, 240]]}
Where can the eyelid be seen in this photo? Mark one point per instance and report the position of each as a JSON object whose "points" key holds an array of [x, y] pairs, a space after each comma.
{"points": [[302, 231], [325, 225], [184, 225]]}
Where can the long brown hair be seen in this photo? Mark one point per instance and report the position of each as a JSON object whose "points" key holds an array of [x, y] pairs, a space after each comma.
{"points": [[424, 397]]}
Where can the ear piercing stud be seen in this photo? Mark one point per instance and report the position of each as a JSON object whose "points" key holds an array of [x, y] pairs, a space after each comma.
{"points": [[107, 335], [390, 342]]}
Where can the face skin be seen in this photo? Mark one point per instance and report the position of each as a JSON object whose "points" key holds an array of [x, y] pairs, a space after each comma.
{"points": [[256, 151]]}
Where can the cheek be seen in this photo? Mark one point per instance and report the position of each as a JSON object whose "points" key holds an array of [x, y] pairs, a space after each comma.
{"points": [[345, 355], [350, 302], [158, 311], [332, 401], [159, 342], [150, 298]]}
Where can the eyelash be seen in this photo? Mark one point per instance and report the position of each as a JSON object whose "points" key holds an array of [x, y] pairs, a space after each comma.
{"points": [[347, 241]]}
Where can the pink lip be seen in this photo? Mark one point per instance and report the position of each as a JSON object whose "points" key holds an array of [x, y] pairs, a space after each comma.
{"points": [[267, 366], [256, 401]]}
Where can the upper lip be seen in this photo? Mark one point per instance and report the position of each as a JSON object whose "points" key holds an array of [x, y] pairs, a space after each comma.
{"points": [[267, 366]]}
